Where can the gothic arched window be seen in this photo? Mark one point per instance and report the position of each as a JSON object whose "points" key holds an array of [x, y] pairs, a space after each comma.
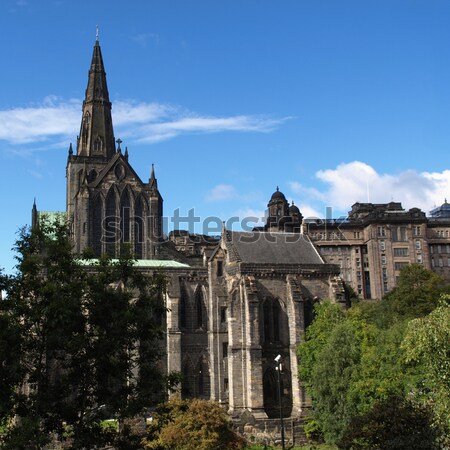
{"points": [[200, 308], [271, 320], [183, 307], [84, 134], [139, 213], [98, 144], [202, 379], [271, 393], [125, 217], [97, 228], [110, 224], [187, 380]]}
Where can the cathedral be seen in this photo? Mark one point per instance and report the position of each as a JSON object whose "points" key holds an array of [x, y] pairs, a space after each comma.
{"points": [[235, 302], [238, 304]]}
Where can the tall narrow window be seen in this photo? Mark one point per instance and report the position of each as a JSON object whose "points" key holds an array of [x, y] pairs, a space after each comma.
{"points": [[219, 268], [110, 224], [271, 320], [98, 145], [97, 229], [139, 228], [200, 309], [183, 307], [202, 379], [125, 217]]}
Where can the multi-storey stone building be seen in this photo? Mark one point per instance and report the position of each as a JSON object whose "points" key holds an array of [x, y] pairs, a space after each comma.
{"points": [[376, 241]]}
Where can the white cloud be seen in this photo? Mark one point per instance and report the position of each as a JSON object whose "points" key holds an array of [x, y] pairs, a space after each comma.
{"points": [[164, 130], [130, 112], [308, 211], [38, 123], [143, 122], [356, 181]]}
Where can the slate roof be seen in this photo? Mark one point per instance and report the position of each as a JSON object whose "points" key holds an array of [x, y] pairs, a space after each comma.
{"points": [[271, 248]]}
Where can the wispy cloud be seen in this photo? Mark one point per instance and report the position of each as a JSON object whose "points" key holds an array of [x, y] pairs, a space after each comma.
{"points": [[140, 122], [40, 122], [199, 124]]}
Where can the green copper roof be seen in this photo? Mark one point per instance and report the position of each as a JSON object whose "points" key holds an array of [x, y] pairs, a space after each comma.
{"points": [[148, 263]]}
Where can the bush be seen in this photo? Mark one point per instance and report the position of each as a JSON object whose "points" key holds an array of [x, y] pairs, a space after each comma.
{"points": [[393, 424], [192, 425]]}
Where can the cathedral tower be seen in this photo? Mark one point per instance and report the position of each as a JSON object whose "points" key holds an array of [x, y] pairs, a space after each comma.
{"points": [[107, 203]]}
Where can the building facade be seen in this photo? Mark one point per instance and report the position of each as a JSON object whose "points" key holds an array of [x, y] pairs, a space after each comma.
{"points": [[234, 302], [376, 241], [237, 301]]}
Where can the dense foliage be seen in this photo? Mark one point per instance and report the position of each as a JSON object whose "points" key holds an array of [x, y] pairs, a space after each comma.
{"points": [[354, 364], [391, 424], [77, 344], [192, 425]]}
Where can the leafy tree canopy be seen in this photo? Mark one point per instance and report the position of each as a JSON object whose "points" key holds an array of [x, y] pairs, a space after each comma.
{"points": [[353, 360], [192, 425], [78, 343]]}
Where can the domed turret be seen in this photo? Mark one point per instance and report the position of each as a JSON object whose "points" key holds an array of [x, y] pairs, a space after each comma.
{"points": [[282, 217], [293, 210], [277, 195]]}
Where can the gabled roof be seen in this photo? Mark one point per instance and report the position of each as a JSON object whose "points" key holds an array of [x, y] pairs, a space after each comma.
{"points": [[271, 248], [118, 156]]}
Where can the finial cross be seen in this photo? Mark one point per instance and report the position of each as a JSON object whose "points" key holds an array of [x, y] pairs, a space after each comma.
{"points": [[119, 141]]}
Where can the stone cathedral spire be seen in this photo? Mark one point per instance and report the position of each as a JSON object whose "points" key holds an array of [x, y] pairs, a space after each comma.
{"points": [[108, 204], [96, 132]]}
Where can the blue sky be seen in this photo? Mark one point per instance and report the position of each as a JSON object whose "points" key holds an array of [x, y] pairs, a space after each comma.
{"points": [[334, 101]]}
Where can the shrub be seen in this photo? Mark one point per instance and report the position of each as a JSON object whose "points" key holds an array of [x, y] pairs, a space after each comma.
{"points": [[392, 424], [192, 425]]}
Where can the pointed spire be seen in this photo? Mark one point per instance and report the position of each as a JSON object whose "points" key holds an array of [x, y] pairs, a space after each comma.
{"points": [[153, 182], [126, 153], [70, 149], [34, 215], [96, 131]]}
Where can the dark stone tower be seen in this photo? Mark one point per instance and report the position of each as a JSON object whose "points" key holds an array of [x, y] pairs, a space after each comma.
{"points": [[281, 216], [107, 203]]}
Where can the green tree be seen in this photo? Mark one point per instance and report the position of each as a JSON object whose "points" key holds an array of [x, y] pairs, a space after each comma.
{"points": [[192, 425], [417, 293], [10, 345], [89, 339], [391, 424], [427, 345], [327, 316], [354, 360], [382, 371], [331, 379]]}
